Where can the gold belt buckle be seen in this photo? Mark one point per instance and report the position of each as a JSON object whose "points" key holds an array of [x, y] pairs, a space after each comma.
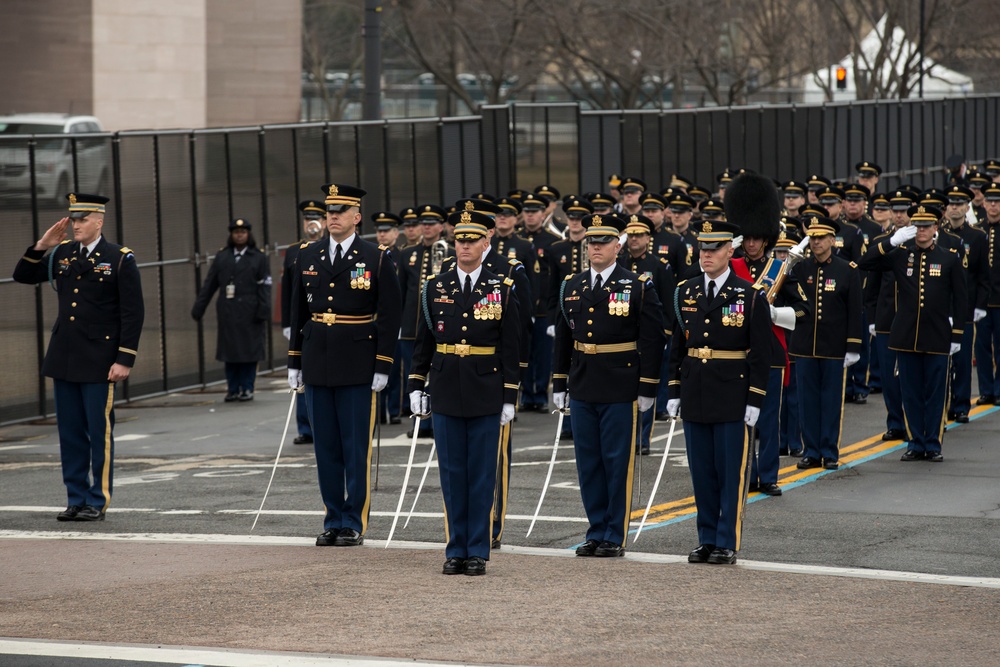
{"points": [[462, 350], [590, 348], [704, 353]]}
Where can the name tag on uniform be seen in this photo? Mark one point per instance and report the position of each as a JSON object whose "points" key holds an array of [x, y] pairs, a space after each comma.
{"points": [[230, 291]]}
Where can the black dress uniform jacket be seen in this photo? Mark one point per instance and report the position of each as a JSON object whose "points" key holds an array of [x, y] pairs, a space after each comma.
{"points": [[849, 243], [564, 258], [880, 296], [993, 260], [100, 308], [514, 247], [467, 385], [344, 354], [790, 295], [242, 325], [587, 317], [834, 328], [977, 267], [541, 241], [287, 278], [415, 266], [656, 268], [737, 320], [930, 288]]}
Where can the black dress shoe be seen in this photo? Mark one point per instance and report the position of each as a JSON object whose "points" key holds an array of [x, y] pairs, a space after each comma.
{"points": [[986, 399], [808, 462], [796, 452], [230, 397], [721, 557], [395, 420], [328, 538], [753, 486], [701, 554], [88, 513], [475, 566], [348, 537], [876, 390], [495, 544], [245, 396], [609, 550], [565, 436], [771, 489], [68, 514], [910, 455], [962, 417], [894, 434], [951, 415], [661, 416], [303, 440], [454, 566], [642, 451], [933, 457], [783, 451], [831, 465], [588, 548], [860, 400]]}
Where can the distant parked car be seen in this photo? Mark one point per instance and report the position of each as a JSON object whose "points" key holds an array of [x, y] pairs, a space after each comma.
{"points": [[54, 167]]}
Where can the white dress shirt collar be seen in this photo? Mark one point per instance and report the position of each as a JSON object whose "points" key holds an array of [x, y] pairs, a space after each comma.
{"points": [[605, 274], [719, 282], [345, 245]]}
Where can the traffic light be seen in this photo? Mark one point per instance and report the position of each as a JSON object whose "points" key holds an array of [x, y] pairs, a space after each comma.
{"points": [[841, 78]]}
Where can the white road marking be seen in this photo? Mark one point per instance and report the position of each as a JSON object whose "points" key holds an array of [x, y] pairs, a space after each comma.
{"points": [[9, 448], [191, 655], [666, 559], [147, 478], [130, 436]]}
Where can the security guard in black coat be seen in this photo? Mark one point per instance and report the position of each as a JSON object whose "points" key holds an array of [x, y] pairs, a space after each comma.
{"points": [[242, 275], [345, 323], [718, 374], [932, 298], [313, 216], [637, 258], [513, 269], [976, 262], [467, 340], [93, 345], [608, 349], [416, 263], [826, 343]]}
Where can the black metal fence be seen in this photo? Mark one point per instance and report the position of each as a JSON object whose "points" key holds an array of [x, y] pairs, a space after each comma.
{"points": [[174, 192]]}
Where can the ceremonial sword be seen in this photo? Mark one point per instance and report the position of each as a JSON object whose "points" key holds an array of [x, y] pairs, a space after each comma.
{"points": [[281, 442], [406, 478], [423, 479], [659, 474], [552, 463]]}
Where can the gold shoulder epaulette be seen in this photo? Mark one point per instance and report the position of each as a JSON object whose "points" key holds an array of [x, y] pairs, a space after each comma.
{"points": [[758, 287], [64, 242], [568, 277], [382, 246], [126, 250], [508, 282], [513, 262], [429, 278], [663, 260]]}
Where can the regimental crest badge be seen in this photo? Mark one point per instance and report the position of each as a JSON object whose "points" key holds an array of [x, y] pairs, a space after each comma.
{"points": [[334, 191]]}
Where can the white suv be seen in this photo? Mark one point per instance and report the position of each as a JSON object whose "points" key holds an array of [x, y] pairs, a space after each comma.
{"points": [[53, 156]]}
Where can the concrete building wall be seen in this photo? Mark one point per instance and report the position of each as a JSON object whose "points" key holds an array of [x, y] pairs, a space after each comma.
{"points": [[254, 61], [149, 63], [46, 63]]}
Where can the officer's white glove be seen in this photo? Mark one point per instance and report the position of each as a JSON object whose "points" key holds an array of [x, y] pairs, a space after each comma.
{"points": [[774, 314], [800, 248], [955, 347], [851, 358], [902, 235], [294, 378], [871, 329], [737, 241], [559, 398], [287, 333], [674, 407], [550, 331], [379, 381], [507, 413], [978, 314], [645, 403], [751, 416], [784, 317], [418, 403]]}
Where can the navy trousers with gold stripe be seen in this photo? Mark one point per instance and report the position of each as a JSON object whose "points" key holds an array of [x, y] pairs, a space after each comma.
{"points": [[821, 405], [604, 437], [85, 418], [342, 425], [717, 457], [923, 379], [506, 446], [467, 459]]}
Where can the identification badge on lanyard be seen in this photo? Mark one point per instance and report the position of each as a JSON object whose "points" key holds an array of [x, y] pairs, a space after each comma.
{"points": [[230, 291]]}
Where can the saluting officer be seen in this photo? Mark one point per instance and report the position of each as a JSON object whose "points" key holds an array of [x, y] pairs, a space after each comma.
{"points": [[825, 344], [719, 358], [976, 262], [637, 258], [467, 338], [313, 215], [345, 323], [242, 275], [608, 348], [93, 345], [988, 329], [931, 294]]}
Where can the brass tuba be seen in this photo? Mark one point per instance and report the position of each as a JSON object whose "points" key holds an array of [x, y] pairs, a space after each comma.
{"points": [[438, 253], [584, 257]]}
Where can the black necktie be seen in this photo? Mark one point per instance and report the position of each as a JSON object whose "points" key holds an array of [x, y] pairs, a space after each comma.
{"points": [[338, 254], [84, 252], [467, 290], [599, 283], [711, 290]]}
